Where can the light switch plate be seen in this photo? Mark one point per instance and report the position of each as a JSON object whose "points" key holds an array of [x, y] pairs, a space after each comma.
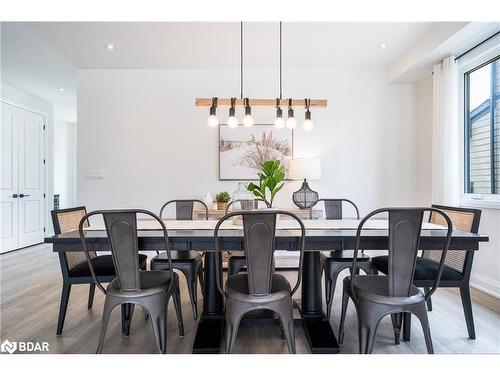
{"points": [[94, 174]]}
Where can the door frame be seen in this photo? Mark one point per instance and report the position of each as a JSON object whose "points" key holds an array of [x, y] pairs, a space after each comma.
{"points": [[45, 115]]}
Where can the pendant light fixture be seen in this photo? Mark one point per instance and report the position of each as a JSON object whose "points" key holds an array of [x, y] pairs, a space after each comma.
{"points": [[279, 122], [232, 121], [290, 121], [248, 119], [212, 120], [308, 123], [247, 103]]}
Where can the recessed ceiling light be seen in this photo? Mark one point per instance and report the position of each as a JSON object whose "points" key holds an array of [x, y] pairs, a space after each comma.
{"points": [[61, 89], [382, 45], [110, 46]]}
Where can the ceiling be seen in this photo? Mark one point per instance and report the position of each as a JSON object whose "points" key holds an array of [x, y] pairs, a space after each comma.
{"points": [[42, 57], [198, 45]]}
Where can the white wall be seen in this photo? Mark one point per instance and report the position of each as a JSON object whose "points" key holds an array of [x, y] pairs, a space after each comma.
{"points": [[65, 162], [142, 128], [486, 267], [25, 100]]}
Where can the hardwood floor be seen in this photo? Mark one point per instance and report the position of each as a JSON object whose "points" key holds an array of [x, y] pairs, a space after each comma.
{"points": [[31, 287]]}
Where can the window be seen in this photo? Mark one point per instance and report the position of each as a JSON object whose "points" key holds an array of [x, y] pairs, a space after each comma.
{"points": [[482, 129]]}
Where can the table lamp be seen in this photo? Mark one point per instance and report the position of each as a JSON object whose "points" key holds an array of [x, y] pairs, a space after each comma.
{"points": [[304, 168]]}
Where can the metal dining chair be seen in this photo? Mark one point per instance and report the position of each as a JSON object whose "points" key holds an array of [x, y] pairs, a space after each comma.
{"points": [[74, 267], [189, 262], [132, 286], [334, 262], [376, 296], [237, 261], [457, 265], [259, 288]]}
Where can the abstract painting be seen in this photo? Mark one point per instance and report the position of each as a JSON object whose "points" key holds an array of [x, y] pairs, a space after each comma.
{"points": [[242, 150]]}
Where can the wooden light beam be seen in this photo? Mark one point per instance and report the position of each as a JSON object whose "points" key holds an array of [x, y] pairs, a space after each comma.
{"points": [[226, 102]]}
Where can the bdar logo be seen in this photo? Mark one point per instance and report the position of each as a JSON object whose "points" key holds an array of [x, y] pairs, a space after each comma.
{"points": [[8, 346]]}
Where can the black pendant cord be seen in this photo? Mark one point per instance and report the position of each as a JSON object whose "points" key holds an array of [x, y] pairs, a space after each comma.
{"points": [[281, 61], [241, 60]]}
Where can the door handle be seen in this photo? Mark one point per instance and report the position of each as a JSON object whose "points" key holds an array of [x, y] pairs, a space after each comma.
{"points": [[15, 195], [23, 195]]}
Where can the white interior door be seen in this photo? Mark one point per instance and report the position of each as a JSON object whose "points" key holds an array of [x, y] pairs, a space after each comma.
{"points": [[23, 178], [9, 183], [31, 178]]}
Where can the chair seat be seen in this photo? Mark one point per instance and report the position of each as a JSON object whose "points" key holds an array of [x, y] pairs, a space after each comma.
{"points": [[343, 256], [178, 256], [103, 266], [425, 269], [375, 288], [152, 282], [237, 288]]}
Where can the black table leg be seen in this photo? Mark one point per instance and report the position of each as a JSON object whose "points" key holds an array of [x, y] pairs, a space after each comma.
{"points": [[317, 328], [209, 333]]}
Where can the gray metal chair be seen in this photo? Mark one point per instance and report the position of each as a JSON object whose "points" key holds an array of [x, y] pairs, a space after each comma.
{"points": [[189, 262], [377, 296], [74, 267], [259, 288], [457, 265], [149, 289], [334, 262], [237, 260]]}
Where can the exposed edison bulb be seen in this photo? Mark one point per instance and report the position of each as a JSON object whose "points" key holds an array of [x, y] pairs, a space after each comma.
{"points": [[232, 122], [291, 122], [248, 121], [308, 124], [279, 123], [212, 121]]}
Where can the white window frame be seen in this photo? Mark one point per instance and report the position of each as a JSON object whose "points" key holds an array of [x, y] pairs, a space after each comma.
{"points": [[465, 64]]}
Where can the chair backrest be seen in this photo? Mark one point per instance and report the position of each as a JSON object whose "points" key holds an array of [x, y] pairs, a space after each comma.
{"points": [[67, 220], [184, 208], [464, 219], [333, 208], [259, 230], [246, 204], [404, 231], [121, 229]]}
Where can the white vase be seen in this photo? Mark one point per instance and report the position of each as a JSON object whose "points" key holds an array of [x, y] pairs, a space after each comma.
{"points": [[207, 198]]}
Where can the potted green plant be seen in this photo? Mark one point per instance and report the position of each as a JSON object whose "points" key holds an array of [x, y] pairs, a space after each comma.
{"points": [[222, 200], [270, 179]]}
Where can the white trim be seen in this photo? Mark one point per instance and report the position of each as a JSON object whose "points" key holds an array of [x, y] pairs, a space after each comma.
{"points": [[485, 284]]}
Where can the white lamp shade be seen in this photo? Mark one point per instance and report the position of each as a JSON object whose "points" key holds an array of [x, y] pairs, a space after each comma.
{"points": [[300, 168]]}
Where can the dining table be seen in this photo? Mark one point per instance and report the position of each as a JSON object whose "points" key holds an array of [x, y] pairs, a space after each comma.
{"points": [[321, 235]]}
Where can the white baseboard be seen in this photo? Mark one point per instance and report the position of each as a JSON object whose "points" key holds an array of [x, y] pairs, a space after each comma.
{"points": [[486, 284]]}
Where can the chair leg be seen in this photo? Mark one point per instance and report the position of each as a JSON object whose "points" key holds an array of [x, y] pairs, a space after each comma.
{"points": [[397, 320], [127, 313], [429, 301], [108, 307], [345, 301], [367, 328], [63, 307], [200, 277], [406, 326], [158, 313], [91, 295], [176, 296], [467, 305], [233, 317], [191, 279], [420, 312], [286, 318]]}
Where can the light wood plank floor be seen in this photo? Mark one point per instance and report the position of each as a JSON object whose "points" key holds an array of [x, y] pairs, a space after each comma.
{"points": [[31, 287]]}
